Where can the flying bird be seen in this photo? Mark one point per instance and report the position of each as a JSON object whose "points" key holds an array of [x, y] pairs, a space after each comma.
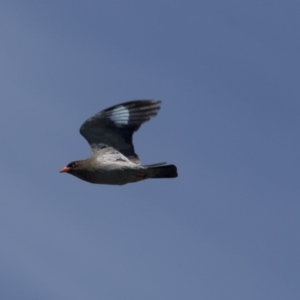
{"points": [[109, 134]]}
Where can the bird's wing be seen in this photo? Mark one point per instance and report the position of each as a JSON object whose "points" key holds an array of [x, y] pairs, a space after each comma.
{"points": [[110, 155], [114, 126]]}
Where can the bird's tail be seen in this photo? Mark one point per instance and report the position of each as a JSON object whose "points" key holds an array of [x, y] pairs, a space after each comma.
{"points": [[162, 171]]}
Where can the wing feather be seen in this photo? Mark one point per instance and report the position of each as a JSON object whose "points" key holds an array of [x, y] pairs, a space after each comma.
{"points": [[114, 126]]}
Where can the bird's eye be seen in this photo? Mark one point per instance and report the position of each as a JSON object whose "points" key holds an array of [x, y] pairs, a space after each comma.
{"points": [[72, 165]]}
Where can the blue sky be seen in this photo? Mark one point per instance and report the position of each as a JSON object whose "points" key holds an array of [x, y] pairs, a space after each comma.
{"points": [[227, 73]]}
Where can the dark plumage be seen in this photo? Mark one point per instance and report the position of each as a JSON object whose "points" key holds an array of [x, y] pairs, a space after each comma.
{"points": [[114, 160]]}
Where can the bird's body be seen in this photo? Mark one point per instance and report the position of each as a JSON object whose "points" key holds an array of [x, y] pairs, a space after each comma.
{"points": [[114, 160]]}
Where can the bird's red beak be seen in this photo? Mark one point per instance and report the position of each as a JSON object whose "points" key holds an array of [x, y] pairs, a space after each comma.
{"points": [[64, 170]]}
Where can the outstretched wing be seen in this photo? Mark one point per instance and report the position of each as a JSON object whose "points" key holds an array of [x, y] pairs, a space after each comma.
{"points": [[114, 126]]}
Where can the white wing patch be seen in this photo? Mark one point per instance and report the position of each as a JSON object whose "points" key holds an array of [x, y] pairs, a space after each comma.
{"points": [[120, 115], [114, 157]]}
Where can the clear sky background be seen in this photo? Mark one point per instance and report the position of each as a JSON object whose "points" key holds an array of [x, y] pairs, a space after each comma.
{"points": [[228, 75]]}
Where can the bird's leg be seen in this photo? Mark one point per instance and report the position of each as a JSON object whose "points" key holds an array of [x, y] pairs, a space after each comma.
{"points": [[139, 176]]}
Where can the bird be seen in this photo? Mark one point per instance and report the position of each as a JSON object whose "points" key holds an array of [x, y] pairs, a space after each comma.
{"points": [[109, 134]]}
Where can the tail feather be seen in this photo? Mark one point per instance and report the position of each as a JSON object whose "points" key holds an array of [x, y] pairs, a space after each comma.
{"points": [[162, 171], [155, 165]]}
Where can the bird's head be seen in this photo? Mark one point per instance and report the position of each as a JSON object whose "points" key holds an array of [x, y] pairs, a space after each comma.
{"points": [[83, 169], [72, 167]]}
